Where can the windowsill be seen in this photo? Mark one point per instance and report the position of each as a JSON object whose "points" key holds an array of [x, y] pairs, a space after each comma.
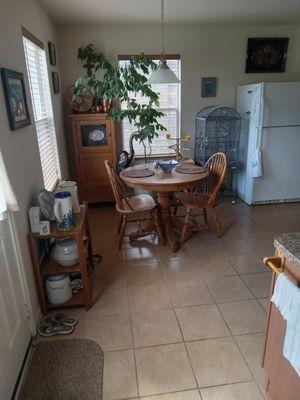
{"points": [[155, 156]]}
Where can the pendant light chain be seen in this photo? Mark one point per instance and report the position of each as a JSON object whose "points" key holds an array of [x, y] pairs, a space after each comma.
{"points": [[162, 28]]}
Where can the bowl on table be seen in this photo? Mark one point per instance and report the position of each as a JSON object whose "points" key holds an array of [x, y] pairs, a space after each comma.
{"points": [[167, 165]]}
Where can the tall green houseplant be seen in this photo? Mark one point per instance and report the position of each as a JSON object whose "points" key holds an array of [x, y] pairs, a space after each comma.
{"points": [[123, 84]]}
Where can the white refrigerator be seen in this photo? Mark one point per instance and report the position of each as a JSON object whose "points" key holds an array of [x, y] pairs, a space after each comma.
{"points": [[271, 134]]}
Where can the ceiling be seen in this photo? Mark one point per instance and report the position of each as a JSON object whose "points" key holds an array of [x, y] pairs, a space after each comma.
{"points": [[177, 11]]}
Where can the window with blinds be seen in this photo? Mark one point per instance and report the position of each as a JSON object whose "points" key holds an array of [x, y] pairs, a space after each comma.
{"points": [[42, 107], [169, 104]]}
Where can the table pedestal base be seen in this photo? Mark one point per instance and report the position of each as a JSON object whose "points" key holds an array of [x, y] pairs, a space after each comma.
{"points": [[165, 218]]}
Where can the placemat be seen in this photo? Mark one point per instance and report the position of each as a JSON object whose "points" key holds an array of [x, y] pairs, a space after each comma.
{"points": [[193, 169], [138, 173]]}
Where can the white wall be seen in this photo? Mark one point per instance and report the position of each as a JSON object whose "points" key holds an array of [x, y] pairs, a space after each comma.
{"points": [[19, 148], [206, 51]]}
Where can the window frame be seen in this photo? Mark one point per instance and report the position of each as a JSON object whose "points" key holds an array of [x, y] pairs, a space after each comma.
{"points": [[48, 120], [157, 57]]}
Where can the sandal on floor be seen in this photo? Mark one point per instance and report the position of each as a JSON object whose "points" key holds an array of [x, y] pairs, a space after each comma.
{"points": [[51, 329], [65, 319]]}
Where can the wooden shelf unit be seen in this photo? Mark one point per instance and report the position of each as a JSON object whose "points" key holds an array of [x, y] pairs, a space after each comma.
{"points": [[89, 155], [48, 266]]}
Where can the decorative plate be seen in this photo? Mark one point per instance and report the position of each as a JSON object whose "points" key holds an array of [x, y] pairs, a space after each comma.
{"points": [[82, 104], [97, 135], [138, 173], [46, 203], [193, 169]]}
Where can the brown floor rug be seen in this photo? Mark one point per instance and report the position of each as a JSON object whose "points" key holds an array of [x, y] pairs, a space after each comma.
{"points": [[69, 369]]}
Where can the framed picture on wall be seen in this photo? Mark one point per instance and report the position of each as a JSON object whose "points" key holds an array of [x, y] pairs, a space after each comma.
{"points": [[209, 87], [52, 53], [55, 82], [15, 98], [266, 55]]}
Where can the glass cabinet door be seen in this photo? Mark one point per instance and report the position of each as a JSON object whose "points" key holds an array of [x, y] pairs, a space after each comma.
{"points": [[93, 135]]}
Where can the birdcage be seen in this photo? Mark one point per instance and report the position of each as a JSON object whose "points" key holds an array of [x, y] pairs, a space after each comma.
{"points": [[218, 129]]}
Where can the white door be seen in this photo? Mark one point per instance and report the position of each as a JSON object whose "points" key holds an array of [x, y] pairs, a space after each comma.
{"points": [[281, 166], [281, 104], [15, 330]]}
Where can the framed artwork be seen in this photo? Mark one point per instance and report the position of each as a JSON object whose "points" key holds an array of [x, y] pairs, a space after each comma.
{"points": [[266, 55], [52, 53], [94, 135], [55, 82], [209, 87], [15, 98]]}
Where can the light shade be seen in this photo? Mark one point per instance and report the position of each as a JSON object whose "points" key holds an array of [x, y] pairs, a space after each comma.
{"points": [[163, 75]]}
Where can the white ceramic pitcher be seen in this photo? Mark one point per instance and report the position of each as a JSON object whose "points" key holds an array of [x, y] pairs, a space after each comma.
{"points": [[71, 186], [63, 211]]}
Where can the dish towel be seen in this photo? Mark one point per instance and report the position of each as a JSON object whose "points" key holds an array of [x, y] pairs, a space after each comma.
{"points": [[286, 297], [256, 164]]}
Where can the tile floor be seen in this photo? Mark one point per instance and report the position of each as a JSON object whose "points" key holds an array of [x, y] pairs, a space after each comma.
{"points": [[184, 326]]}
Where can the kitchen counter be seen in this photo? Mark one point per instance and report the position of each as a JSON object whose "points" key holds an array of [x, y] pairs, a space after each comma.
{"points": [[283, 381], [288, 245]]}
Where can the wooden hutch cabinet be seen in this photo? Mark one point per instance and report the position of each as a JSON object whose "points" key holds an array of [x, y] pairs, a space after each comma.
{"points": [[93, 143]]}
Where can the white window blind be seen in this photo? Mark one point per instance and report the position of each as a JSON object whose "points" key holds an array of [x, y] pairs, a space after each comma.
{"points": [[43, 112], [169, 104]]}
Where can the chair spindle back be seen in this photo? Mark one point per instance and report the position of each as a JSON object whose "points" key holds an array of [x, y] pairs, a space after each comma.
{"points": [[216, 166], [117, 186]]}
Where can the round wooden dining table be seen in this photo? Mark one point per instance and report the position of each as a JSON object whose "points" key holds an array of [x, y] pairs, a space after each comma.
{"points": [[164, 184]]}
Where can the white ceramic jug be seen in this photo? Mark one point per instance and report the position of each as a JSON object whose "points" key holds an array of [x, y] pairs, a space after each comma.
{"points": [[59, 288], [63, 211], [71, 186]]}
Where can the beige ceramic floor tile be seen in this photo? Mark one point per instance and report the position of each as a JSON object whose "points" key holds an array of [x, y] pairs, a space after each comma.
{"points": [[262, 245], [252, 348], [140, 255], [228, 288], [155, 327], [259, 284], [143, 274], [265, 302], [189, 273], [236, 247], [163, 369], [187, 395], [188, 293], [150, 297], [201, 322], [111, 302], [244, 316], [214, 268], [119, 378], [217, 362], [109, 276], [247, 264], [237, 391], [164, 254], [111, 332]]}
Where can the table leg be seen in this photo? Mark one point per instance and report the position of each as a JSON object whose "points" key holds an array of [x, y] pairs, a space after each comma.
{"points": [[164, 203]]}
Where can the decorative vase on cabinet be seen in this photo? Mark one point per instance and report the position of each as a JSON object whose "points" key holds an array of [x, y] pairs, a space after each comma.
{"points": [[93, 143]]}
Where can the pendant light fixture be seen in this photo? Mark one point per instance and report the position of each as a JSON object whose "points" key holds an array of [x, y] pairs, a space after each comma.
{"points": [[163, 75]]}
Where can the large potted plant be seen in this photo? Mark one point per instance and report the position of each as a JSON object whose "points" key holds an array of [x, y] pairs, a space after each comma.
{"points": [[123, 84]]}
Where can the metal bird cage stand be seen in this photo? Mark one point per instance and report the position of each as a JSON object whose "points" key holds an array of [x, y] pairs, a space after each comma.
{"points": [[218, 129]]}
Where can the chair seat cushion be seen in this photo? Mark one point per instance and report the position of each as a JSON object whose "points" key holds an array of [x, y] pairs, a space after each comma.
{"points": [[140, 202], [192, 201]]}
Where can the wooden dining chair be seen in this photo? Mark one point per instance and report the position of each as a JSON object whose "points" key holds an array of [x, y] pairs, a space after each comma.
{"points": [[136, 208], [204, 197]]}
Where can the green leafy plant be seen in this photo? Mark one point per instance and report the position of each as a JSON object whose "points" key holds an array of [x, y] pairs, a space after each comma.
{"points": [[122, 85]]}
